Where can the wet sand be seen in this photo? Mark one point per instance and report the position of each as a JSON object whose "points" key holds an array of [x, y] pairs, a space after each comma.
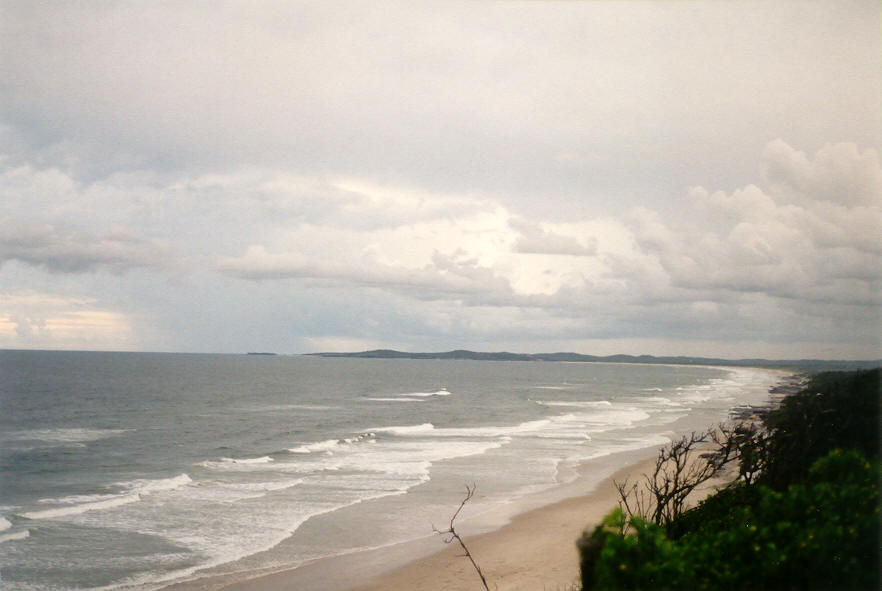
{"points": [[536, 550]]}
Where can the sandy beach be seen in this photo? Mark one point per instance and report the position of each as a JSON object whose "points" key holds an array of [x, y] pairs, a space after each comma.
{"points": [[535, 550], [522, 547]]}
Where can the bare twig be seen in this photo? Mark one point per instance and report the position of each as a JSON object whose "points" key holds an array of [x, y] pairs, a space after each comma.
{"points": [[450, 534]]}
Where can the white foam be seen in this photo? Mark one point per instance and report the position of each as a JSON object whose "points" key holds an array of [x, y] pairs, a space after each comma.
{"points": [[441, 392], [232, 462], [326, 446], [410, 396], [266, 486], [367, 469], [409, 460], [152, 486], [695, 397], [329, 446], [134, 490], [364, 437], [110, 503], [234, 492], [19, 535], [628, 444], [4, 524], [404, 430], [208, 518], [576, 403], [601, 416]]}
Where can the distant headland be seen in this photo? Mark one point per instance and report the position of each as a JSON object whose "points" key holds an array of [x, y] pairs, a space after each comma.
{"points": [[462, 354]]}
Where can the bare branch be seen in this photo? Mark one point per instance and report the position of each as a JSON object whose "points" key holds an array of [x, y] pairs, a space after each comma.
{"points": [[449, 535], [676, 474]]}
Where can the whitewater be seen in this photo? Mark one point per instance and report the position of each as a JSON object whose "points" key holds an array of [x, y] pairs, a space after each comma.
{"points": [[131, 471]]}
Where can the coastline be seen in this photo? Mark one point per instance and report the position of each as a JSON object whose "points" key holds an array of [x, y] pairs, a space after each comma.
{"points": [[527, 545], [535, 549]]}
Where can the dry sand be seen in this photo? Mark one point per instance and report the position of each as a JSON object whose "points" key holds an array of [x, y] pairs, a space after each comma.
{"points": [[536, 551]]}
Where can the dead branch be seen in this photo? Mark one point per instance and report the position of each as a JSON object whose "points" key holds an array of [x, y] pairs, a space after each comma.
{"points": [[675, 475], [747, 443], [450, 535], [633, 500]]}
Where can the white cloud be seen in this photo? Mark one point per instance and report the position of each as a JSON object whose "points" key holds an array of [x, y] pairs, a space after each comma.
{"points": [[696, 271], [841, 174], [534, 239], [810, 238]]}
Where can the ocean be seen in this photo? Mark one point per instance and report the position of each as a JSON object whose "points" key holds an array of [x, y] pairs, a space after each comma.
{"points": [[134, 470]]}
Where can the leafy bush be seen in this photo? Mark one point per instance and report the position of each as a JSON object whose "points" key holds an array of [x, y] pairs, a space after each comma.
{"points": [[804, 514], [642, 558], [822, 534]]}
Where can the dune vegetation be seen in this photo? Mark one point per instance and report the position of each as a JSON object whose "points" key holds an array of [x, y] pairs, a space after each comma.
{"points": [[802, 513]]}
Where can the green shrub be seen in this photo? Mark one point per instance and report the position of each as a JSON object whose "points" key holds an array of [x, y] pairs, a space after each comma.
{"points": [[819, 535], [641, 559], [804, 515]]}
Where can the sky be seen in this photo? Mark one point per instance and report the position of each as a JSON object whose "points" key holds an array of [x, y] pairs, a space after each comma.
{"points": [[666, 178]]}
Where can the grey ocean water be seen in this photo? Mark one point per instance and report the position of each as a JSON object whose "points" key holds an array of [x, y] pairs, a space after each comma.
{"points": [[127, 470]]}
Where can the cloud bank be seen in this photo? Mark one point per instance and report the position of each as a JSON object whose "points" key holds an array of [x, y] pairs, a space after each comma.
{"points": [[600, 177]]}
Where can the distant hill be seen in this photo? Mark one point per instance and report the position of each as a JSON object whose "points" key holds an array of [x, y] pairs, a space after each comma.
{"points": [[798, 364]]}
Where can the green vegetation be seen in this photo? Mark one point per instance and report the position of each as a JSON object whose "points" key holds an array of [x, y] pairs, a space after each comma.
{"points": [[803, 514]]}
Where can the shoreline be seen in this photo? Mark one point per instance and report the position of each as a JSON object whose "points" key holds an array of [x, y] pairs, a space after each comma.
{"points": [[571, 507], [529, 544], [534, 549]]}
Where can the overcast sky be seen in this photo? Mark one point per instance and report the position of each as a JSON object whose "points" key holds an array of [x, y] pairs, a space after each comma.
{"points": [[697, 178]]}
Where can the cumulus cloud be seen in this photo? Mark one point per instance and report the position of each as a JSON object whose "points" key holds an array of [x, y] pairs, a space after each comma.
{"points": [[841, 174], [534, 239], [63, 250], [447, 246], [752, 242], [811, 234], [445, 277], [708, 265]]}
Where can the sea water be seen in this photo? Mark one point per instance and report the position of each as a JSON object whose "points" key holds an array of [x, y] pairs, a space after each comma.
{"points": [[132, 470]]}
